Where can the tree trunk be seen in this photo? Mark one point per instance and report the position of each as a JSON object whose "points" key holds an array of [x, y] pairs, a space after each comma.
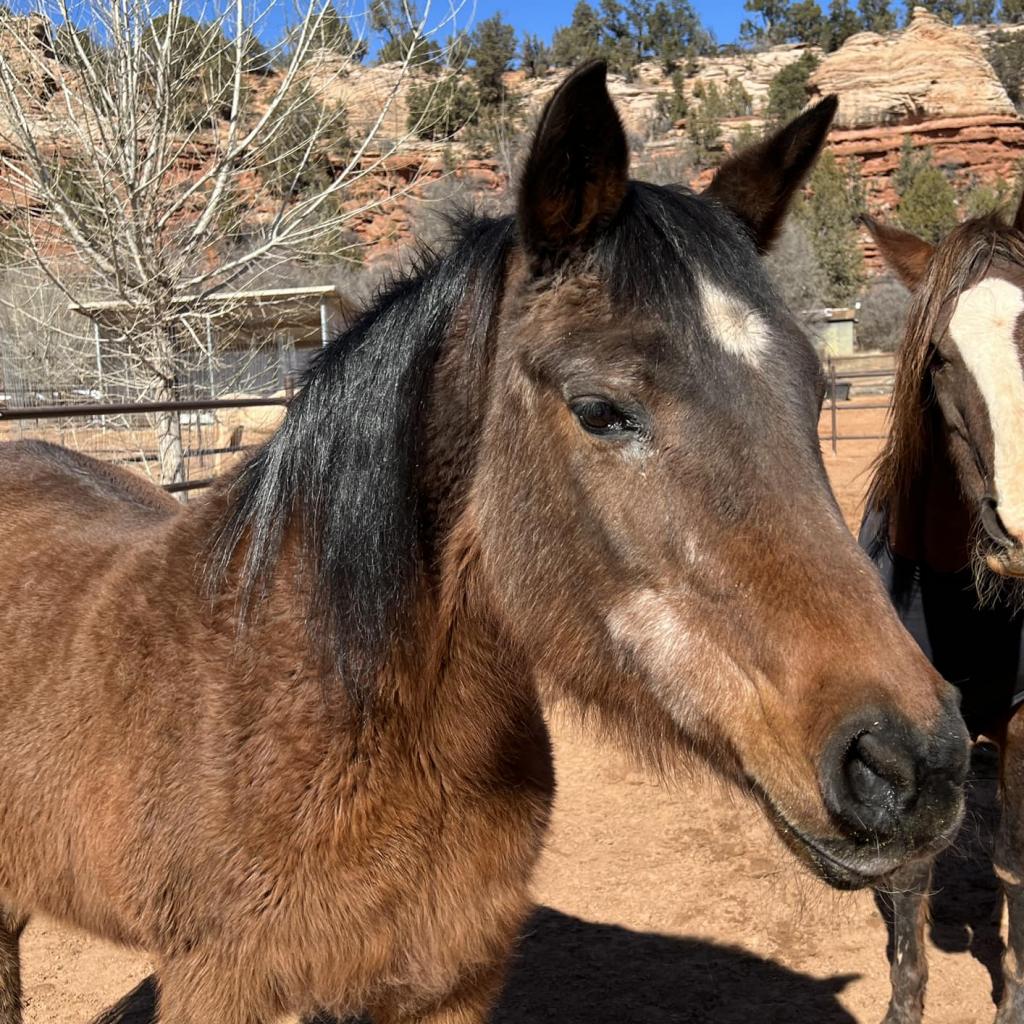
{"points": [[168, 424]]}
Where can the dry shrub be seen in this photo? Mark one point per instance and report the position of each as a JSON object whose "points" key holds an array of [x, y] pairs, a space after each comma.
{"points": [[883, 315], [797, 274]]}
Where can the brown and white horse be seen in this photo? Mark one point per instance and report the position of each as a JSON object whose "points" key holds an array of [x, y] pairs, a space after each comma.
{"points": [[289, 739], [945, 521]]}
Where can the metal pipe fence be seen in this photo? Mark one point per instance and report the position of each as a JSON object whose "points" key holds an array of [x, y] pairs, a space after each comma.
{"points": [[123, 432], [212, 431], [870, 381]]}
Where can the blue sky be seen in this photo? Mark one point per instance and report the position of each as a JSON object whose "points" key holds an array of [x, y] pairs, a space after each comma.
{"points": [[540, 18], [722, 17]]}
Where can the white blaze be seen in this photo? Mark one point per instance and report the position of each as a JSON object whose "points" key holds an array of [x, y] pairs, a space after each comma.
{"points": [[739, 329], [983, 327]]}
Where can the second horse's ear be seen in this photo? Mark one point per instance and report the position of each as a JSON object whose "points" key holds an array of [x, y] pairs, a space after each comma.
{"points": [[577, 171], [758, 183], [905, 254]]}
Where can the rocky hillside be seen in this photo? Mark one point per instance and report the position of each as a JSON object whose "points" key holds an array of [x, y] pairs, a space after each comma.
{"points": [[930, 80]]}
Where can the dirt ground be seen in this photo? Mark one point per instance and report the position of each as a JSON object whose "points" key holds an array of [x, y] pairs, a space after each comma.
{"points": [[665, 904]]}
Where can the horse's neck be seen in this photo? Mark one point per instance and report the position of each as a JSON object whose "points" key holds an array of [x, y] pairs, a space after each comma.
{"points": [[932, 523], [451, 672]]}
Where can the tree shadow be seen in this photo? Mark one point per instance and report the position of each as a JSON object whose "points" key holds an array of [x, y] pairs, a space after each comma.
{"points": [[967, 900], [571, 971]]}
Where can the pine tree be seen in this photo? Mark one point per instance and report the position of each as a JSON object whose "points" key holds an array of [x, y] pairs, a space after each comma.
{"points": [[787, 91], [736, 101], [829, 215], [769, 27], [625, 33], [982, 198], [1005, 53], [927, 202], [948, 10], [805, 23], [677, 106], [287, 171], [622, 41], [397, 21], [977, 12], [841, 23], [674, 33], [704, 124], [1011, 12], [335, 33], [580, 40], [534, 56], [492, 51], [195, 44], [440, 106], [876, 16]]}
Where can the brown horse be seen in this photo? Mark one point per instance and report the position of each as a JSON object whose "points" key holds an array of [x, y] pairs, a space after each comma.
{"points": [[945, 521], [289, 739]]}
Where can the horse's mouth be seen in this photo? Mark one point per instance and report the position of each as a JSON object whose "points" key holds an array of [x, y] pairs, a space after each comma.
{"points": [[848, 864], [833, 868], [1006, 562]]}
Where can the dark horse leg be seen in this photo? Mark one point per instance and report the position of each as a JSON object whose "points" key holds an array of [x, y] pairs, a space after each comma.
{"points": [[11, 927], [1009, 865], [908, 964]]}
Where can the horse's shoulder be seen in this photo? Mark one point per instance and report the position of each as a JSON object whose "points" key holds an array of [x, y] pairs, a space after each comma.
{"points": [[50, 472]]}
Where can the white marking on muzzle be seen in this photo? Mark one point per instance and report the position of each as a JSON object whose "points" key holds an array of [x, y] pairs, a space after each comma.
{"points": [[983, 327], [738, 328]]}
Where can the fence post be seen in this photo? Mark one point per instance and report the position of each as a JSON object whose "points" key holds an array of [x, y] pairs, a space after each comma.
{"points": [[832, 388]]}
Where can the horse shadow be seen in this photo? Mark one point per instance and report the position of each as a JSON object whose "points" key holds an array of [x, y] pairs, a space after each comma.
{"points": [[966, 901], [577, 972]]}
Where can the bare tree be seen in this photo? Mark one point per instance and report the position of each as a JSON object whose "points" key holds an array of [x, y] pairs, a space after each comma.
{"points": [[159, 158]]}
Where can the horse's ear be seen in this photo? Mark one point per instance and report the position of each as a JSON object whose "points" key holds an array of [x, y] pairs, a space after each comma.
{"points": [[758, 183], [1018, 217], [905, 254], [575, 177]]}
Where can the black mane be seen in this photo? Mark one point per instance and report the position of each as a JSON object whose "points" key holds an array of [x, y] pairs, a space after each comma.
{"points": [[344, 467]]}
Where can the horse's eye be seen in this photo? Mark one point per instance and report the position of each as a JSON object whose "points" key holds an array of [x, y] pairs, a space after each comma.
{"points": [[600, 417]]}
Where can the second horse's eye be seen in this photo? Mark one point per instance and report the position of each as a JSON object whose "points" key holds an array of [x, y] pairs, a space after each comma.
{"points": [[601, 417]]}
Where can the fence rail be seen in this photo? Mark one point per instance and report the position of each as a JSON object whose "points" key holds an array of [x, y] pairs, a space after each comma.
{"points": [[201, 448], [56, 412], [854, 379], [113, 431]]}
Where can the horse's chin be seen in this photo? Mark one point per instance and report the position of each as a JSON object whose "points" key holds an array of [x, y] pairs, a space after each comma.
{"points": [[1007, 563], [848, 864]]}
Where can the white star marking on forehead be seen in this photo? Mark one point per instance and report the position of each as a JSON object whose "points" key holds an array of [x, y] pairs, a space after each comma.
{"points": [[738, 328]]}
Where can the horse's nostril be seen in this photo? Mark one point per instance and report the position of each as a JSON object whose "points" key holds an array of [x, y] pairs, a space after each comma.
{"points": [[884, 778], [880, 775], [872, 772], [992, 524]]}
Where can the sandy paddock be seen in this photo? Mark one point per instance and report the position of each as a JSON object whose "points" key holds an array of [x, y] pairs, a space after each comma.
{"points": [[664, 904]]}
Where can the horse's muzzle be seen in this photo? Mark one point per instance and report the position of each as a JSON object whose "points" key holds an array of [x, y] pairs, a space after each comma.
{"points": [[892, 790], [1006, 556]]}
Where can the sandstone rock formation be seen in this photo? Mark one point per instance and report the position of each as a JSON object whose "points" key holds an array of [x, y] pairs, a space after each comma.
{"points": [[369, 94], [638, 100], [970, 149], [927, 71], [930, 78], [754, 71]]}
